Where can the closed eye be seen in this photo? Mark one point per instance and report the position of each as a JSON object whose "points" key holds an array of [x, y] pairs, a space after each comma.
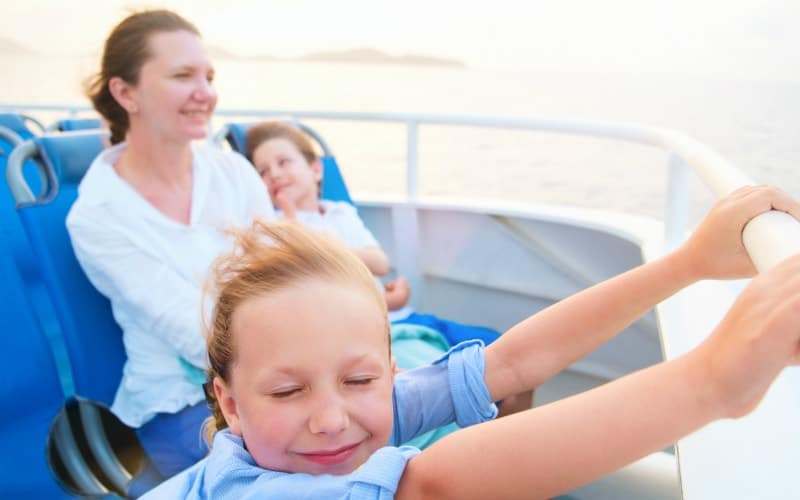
{"points": [[360, 381], [285, 393]]}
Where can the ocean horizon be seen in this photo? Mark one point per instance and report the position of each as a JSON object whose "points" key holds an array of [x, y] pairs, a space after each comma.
{"points": [[754, 124]]}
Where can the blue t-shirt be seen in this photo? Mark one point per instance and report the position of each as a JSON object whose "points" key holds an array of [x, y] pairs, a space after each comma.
{"points": [[452, 389]]}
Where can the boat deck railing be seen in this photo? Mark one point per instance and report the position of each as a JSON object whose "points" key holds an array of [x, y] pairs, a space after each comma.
{"points": [[769, 238]]}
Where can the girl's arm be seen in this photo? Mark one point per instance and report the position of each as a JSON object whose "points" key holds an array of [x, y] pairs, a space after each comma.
{"points": [[537, 348], [375, 259], [552, 449], [533, 351]]}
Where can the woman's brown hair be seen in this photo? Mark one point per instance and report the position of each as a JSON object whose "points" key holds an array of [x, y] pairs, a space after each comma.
{"points": [[267, 258], [125, 52]]}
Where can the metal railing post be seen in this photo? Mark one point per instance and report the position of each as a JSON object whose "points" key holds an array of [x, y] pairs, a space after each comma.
{"points": [[412, 156], [676, 212]]}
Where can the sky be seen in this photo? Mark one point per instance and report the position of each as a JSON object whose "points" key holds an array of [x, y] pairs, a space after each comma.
{"points": [[740, 39]]}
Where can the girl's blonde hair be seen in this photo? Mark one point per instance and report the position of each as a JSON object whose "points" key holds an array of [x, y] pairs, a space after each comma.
{"points": [[266, 258]]}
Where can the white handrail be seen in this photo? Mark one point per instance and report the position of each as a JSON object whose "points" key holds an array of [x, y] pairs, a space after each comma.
{"points": [[768, 238]]}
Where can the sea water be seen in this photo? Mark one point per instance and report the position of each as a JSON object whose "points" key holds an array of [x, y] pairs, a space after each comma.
{"points": [[755, 124]]}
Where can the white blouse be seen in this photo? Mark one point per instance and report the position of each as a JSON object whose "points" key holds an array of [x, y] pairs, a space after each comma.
{"points": [[153, 269]]}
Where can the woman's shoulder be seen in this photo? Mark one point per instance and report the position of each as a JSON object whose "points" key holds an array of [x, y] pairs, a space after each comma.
{"points": [[99, 183]]}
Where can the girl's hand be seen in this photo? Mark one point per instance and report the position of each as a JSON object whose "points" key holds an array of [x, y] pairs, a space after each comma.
{"points": [[397, 293], [715, 249], [756, 339], [286, 205]]}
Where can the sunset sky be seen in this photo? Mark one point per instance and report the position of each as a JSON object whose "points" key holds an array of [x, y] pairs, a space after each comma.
{"points": [[744, 39]]}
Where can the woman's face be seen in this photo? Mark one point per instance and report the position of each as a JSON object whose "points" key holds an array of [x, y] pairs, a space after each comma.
{"points": [[174, 97]]}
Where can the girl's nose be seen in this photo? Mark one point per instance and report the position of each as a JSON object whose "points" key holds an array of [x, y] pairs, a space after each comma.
{"points": [[330, 417]]}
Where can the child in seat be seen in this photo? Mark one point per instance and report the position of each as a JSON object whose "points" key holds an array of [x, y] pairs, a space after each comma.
{"points": [[284, 157]]}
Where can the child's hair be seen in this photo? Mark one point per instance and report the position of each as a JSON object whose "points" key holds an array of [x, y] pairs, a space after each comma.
{"points": [[263, 132], [266, 258]]}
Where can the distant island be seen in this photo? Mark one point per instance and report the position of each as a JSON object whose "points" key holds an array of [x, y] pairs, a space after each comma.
{"points": [[362, 55], [372, 56], [352, 56]]}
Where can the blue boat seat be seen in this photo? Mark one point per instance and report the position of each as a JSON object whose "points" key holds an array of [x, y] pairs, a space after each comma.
{"points": [[92, 337], [333, 185], [17, 122], [31, 392], [38, 378], [73, 124], [10, 227], [14, 131]]}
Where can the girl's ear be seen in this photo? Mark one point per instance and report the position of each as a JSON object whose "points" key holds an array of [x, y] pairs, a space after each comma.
{"points": [[316, 168], [123, 94], [227, 404], [394, 367]]}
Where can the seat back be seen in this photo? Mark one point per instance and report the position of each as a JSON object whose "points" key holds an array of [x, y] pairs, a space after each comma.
{"points": [[32, 384], [92, 337], [16, 123], [39, 378], [333, 185], [93, 453], [73, 124], [10, 227]]}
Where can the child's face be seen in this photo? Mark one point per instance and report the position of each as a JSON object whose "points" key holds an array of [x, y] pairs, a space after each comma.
{"points": [[287, 173], [311, 385]]}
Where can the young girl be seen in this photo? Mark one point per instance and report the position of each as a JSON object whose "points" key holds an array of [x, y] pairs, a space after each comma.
{"points": [[292, 172], [310, 415], [287, 163]]}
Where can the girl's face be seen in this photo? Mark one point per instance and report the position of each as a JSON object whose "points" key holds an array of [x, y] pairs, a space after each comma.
{"points": [[311, 385], [287, 174], [174, 97]]}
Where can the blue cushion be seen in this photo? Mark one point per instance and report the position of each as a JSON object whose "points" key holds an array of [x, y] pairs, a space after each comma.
{"points": [[32, 384], [91, 335], [16, 123], [72, 124]]}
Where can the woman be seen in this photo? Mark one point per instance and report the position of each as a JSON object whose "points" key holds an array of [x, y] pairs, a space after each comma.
{"points": [[152, 214]]}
